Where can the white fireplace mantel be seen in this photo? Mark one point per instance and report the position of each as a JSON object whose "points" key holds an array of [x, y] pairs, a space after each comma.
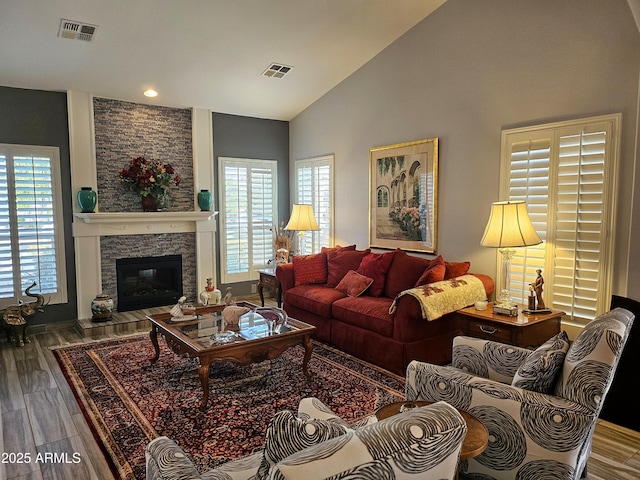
{"points": [[145, 217]]}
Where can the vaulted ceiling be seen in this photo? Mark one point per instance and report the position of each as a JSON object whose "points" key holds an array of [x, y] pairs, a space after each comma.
{"points": [[201, 53]]}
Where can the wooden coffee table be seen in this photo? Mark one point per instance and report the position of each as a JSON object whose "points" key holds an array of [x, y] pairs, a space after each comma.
{"points": [[252, 342], [474, 443]]}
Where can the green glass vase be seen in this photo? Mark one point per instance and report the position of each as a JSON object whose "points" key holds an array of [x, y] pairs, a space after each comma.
{"points": [[205, 200], [87, 200]]}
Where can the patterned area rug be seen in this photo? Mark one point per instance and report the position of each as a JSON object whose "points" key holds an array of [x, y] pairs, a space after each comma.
{"points": [[128, 401]]}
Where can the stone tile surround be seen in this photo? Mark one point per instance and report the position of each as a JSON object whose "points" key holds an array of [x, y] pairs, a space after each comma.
{"points": [[124, 130]]}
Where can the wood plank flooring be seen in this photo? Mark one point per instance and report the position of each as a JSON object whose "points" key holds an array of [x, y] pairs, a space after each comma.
{"points": [[42, 425]]}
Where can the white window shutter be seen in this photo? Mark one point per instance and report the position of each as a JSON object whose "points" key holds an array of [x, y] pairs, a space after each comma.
{"points": [[565, 173], [248, 197]]}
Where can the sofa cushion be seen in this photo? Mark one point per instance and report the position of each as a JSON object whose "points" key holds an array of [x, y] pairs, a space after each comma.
{"points": [[287, 434], [354, 284], [376, 265], [339, 262], [337, 247], [315, 299], [456, 269], [539, 371], [310, 268], [369, 313], [404, 272], [434, 272]]}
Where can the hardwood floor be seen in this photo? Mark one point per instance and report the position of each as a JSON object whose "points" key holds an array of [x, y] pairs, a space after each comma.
{"points": [[43, 433]]}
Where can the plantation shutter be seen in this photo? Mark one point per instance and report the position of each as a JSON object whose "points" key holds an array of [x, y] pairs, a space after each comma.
{"points": [[31, 237], [314, 187], [566, 174], [248, 203]]}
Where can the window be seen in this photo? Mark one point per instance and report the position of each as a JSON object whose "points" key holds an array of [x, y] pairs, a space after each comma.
{"points": [[248, 197], [31, 233], [314, 186], [566, 173]]}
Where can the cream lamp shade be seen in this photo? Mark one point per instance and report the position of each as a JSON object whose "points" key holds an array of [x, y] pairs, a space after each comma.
{"points": [[509, 226], [302, 218]]}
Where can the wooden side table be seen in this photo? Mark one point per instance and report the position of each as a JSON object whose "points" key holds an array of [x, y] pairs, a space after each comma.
{"points": [[523, 331], [269, 281]]}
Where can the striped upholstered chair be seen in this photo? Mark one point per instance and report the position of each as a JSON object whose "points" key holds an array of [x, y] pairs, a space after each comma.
{"points": [[423, 443], [533, 433]]}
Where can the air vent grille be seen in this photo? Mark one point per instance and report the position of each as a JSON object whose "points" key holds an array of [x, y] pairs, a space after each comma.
{"points": [[77, 30], [277, 70]]}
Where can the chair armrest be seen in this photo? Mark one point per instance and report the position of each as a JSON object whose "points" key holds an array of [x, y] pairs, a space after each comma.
{"points": [[312, 408], [487, 358], [165, 460], [286, 277]]}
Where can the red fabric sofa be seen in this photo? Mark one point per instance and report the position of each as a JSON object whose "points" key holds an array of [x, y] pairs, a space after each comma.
{"points": [[362, 325]]}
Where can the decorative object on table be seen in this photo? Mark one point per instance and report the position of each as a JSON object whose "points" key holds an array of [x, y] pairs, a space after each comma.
{"points": [[228, 297], [205, 200], [403, 197], [281, 239], [14, 317], [537, 287], [232, 313], [275, 317], [282, 256], [508, 226], [531, 299], [182, 311], [211, 295], [87, 200], [302, 220], [153, 180], [101, 308]]}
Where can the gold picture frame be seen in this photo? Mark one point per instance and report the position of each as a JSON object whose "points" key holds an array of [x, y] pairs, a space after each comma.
{"points": [[403, 196]]}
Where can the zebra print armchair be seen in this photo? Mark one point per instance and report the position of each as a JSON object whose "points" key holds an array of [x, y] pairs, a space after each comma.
{"points": [[530, 431], [422, 443]]}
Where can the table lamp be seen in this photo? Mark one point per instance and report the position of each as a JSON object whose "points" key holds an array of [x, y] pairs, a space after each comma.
{"points": [[302, 219], [508, 227]]}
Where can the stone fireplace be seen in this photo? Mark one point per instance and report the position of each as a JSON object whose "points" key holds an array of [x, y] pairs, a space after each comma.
{"points": [[106, 235]]}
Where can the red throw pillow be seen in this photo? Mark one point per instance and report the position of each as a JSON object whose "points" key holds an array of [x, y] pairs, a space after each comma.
{"points": [[456, 269], [376, 265], [404, 272], [434, 272], [339, 262], [309, 269], [354, 284]]}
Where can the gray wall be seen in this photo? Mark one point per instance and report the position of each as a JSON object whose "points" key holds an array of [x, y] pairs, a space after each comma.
{"points": [[247, 137], [463, 74], [35, 117]]}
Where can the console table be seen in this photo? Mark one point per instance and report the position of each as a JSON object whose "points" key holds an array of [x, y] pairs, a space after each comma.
{"points": [[525, 330]]}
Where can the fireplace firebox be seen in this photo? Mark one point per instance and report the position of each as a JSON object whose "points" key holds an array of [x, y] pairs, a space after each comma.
{"points": [[145, 282]]}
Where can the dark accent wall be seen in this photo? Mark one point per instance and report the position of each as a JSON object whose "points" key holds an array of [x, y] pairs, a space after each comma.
{"points": [[256, 138], [35, 117]]}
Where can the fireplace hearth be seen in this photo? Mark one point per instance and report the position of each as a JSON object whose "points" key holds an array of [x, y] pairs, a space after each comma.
{"points": [[145, 282]]}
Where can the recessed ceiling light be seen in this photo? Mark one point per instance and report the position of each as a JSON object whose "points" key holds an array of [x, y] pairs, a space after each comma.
{"points": [[150, 92]]}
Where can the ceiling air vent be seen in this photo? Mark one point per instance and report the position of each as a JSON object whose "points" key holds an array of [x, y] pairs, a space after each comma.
{"points": [[77, 30], [277, 70]]}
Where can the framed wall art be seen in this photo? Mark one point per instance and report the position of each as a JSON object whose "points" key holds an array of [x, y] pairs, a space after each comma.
{"points": [[403, 196]]}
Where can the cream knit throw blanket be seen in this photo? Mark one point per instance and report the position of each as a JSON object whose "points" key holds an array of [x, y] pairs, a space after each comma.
{"points": [[439, 298]]}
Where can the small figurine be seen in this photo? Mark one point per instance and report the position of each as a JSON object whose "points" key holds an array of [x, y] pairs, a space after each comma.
{"points": [[14, 317], [537, 287], [282, 256], [211, 295], [228, 297]]}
